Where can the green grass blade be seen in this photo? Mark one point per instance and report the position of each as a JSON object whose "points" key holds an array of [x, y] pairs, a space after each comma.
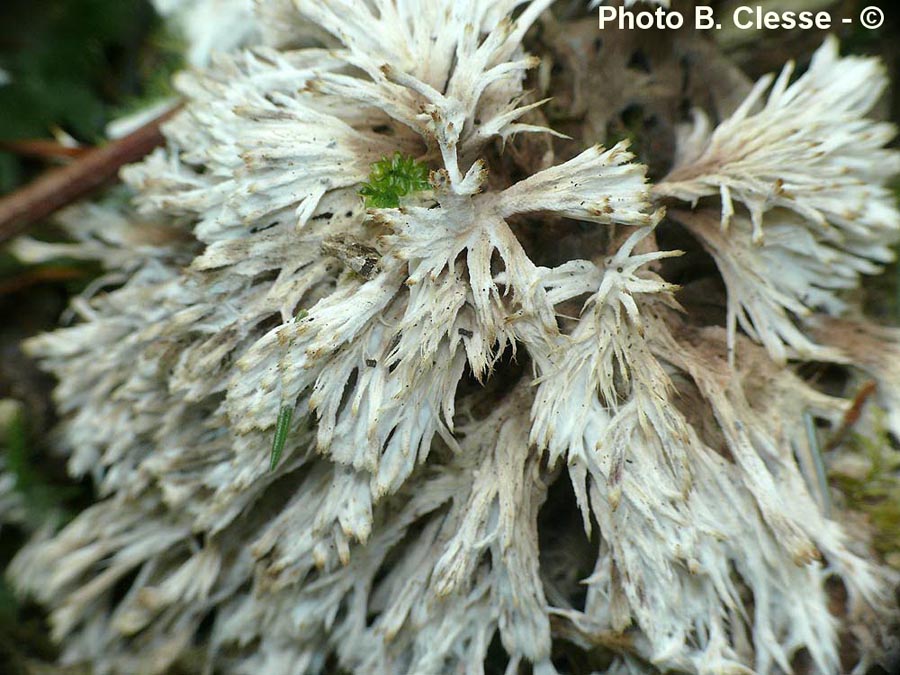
{"points": [[282, 428]]}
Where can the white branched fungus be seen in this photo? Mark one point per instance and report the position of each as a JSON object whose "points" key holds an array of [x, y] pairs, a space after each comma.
{"points": [[325, 433]]}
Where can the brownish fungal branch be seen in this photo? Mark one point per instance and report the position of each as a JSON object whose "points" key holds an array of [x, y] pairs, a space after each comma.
{"points": [[60, 187]]}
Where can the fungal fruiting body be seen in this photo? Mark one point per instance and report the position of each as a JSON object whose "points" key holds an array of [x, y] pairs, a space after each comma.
{"points": [[380, 432]]}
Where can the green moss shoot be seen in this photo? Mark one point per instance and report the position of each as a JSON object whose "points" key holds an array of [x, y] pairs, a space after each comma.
{"points": [[393, 178]]}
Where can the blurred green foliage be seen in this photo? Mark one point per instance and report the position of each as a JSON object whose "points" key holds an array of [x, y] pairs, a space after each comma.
{"points": [[67, 59], [75, 65], [43, 500], [874, 488]]}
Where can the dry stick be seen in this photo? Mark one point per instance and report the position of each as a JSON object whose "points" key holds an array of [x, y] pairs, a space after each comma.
{"points": [[851, 417], [43, 148], [40, 275], [60, 187], [813, 461]]}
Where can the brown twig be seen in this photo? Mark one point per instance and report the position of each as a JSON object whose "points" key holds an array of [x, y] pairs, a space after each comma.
{"points": [[60, 187], [43, 148], [40, 275], [851, 417]]}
